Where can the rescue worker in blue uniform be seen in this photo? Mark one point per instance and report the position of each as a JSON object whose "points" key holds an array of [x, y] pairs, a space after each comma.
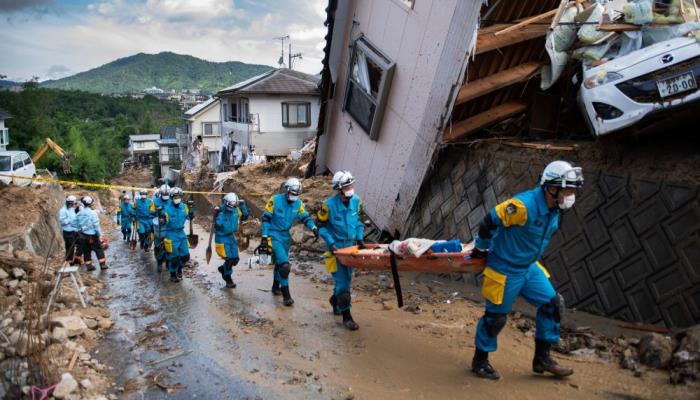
{"points": [[340, 227], [69, 226], [513, 236], [172, 221], [281, 211], [144, 218], [91, 231], [160, 200], [125, 216], [228, 217]]}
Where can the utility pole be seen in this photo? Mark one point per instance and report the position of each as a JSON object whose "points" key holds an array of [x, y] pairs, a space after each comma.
{"points": [[280, 62], [292, 56]]}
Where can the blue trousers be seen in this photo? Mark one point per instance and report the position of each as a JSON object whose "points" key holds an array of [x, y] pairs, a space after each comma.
{"points": [[534, 286], [177, 250], [157, 240], [126, 229], [227, 248], [343, 282], [280, 253]]}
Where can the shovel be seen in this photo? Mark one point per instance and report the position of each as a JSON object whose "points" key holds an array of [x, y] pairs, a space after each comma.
{"points": [[192, 239], [134, 235], [211, 235]]}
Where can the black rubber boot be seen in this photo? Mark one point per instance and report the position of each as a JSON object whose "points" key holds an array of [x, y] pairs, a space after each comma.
{"points": [[334, 303], [543, 362], [179, 273], [348, 322], [481, 366], [173, 277], [104, 266], [90, 267], [287, 298], [229, 282], [276, 288], [221, 271]]}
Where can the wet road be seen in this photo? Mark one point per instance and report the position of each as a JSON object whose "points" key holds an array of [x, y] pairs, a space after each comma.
{"points": [[244, 344]]}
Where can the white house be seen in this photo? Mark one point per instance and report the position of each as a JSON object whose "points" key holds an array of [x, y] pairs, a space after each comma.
{"points": [[203, 129], [4, 132], [273, 113], [169, 151], [143, 147]]}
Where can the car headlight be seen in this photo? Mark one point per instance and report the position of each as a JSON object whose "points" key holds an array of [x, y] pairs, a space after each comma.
{"points": [[601, 78]]}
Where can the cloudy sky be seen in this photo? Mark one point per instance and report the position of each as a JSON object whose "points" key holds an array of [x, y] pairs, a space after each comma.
{"points": [[56, 38]]}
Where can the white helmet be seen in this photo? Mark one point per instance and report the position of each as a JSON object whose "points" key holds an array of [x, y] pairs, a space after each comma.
{"points": [[143, 192], [71, 199], [562, 174], [342, 179], [164, 190], [87, 200], [231, 200], [293, 187], [126, 197], [176, 191]]}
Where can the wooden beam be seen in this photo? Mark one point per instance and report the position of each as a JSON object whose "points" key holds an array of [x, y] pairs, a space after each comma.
{"points": [[527, 22], [499, 80], [618, 27], [487, 40], [472, 124]]}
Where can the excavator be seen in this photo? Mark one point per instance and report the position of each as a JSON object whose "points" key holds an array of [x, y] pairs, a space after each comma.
{"points": [[51, 145]]}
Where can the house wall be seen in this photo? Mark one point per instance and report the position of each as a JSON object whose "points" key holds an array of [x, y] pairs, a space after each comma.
{"points": [[2, 124], [196, 128], [629, 248], [429, 45], [270, 137]]}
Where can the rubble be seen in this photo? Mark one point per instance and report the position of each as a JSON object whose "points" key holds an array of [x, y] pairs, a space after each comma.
{"points": [[685, 365], [656, 350], [73, 325], [65, 387]]}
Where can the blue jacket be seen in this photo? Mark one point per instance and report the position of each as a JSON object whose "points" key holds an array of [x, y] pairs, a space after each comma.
{"points": [[227, 221], [158, 202], [175, 217], [66, 216], [340, 224], [89, 222], [280, 215], [125, 214], [524, 225], [142, 209]]}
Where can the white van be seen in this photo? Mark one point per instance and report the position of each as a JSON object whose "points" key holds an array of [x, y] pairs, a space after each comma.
{"points": [[18, 164]]}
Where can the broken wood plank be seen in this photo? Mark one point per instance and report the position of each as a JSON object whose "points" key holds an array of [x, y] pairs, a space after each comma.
{"points": [[480, 87], [645, 328], [72, 361], [476, 122], [487, 41], [176, 355], [541, 146], [527, 22], [621, 27]]}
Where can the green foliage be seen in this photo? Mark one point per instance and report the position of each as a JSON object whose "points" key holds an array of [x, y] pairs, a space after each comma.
{"points": [[94, 129], [164, 70]]}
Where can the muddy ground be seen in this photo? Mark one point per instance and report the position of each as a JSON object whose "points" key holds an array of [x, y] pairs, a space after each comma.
{"points": [[198, 339]]}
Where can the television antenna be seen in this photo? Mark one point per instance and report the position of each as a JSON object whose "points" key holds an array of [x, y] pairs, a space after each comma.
{"points": [[280, 61]]}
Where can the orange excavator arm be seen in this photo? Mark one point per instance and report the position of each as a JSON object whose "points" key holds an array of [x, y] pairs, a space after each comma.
{"points": [[51, 145]]}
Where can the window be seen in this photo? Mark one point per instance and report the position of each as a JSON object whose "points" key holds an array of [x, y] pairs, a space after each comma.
{"points": [[368, 84], [243, 106], [211, 129], [139, 145], [4, 137], [296, 114], [234, 112], [5, 163], [18, 164], [173, 153], [26, 159]]}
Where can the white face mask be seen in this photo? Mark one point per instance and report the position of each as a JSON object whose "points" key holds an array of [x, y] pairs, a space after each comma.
{"points": [[177, 201], [144, 197], [349, 193], [568, 202], [164, 197], [292, 198]]}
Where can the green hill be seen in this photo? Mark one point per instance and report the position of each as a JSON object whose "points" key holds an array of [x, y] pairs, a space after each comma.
{"points": [[164, 70]]}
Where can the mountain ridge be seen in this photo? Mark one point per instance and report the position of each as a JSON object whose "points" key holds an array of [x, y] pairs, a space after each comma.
{"points": [[165, 70]]}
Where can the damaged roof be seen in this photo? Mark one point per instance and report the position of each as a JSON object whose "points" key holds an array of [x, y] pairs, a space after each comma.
{"points": [[144, 138], [277, 81]]}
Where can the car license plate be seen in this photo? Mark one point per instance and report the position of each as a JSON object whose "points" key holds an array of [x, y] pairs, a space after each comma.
{"points": [[677, 84]]}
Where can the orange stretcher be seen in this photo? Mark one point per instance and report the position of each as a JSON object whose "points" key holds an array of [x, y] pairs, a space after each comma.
{"points": [[372, 259], [428, 262]]}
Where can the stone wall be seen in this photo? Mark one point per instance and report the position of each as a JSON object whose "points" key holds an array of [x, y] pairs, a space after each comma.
{"points": [[629, 249]]}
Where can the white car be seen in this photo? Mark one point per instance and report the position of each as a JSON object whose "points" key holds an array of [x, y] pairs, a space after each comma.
{"points": [[625, 90], [17, 164]]}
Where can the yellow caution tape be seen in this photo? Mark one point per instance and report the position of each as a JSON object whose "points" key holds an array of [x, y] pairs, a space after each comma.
{"points": [[108, 186]]}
